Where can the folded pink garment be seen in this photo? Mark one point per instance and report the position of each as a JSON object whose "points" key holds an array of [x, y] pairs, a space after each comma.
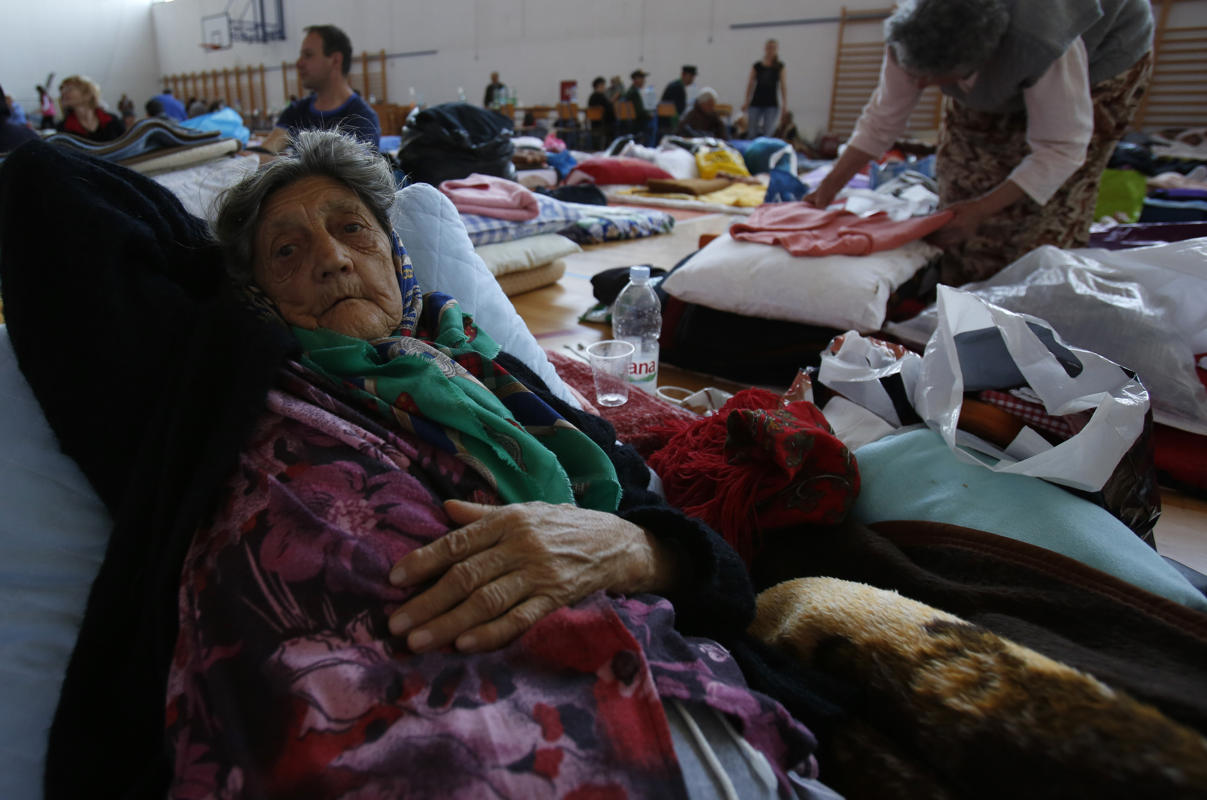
{"points": [[489, 196], [803, 230]]}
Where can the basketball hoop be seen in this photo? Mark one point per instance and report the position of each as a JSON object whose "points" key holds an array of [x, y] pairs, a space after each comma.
{"points": [[210, 46]]}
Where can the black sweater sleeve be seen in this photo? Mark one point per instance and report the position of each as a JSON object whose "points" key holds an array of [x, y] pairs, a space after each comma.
{"points": [[715, 596]]}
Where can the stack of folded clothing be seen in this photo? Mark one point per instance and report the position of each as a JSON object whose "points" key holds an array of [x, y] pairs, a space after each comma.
{"points": [[787, 278], [514, 230], [153, 145]]}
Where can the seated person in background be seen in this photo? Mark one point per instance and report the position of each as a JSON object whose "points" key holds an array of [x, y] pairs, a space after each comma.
{"points": [[703, 119], [80, 99], [171, 106], [125, 107], [787, 128], [424, 575], [46, 106], [16, 114], [197, 106], [496, 91], [615, 89], [323, 65], [11, 133], [634, 95], [601, 128], [154, 109], [676, 91]]}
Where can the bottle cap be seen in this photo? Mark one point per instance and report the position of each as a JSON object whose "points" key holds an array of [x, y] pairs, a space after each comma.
{"points": [[639, 274]]}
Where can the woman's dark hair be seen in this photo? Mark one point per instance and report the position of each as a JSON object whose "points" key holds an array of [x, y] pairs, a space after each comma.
{"points": [[945, 37], [312, 153], [334, 41]]}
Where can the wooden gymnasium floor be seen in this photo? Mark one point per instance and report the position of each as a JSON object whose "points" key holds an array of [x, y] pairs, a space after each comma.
{"points": [[552, 315]]}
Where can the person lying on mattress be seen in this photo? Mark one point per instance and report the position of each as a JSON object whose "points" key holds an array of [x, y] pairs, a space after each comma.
{"points": [[424, 574]]}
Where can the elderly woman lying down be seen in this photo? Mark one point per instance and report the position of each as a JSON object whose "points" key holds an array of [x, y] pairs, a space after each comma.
{"points": [[417, 577]]}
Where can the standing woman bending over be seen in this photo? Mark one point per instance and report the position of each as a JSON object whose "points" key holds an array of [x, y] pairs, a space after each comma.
{"points": [[766, 93], [1038, 94]]}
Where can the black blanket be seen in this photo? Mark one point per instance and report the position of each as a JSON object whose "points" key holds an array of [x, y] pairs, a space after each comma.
{"points": [[151, 376]]}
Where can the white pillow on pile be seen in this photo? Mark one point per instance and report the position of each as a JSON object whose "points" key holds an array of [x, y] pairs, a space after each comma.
{"points": [[677, 161], [521, 254], [763, 280]]}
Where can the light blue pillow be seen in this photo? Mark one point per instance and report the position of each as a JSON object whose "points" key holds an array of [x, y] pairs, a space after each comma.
{"points": [[53, 533], [444, 260], [912, 475]]}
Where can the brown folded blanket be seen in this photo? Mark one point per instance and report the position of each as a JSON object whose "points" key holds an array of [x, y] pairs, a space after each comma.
{"points": [[953, 710], [686, 185]]}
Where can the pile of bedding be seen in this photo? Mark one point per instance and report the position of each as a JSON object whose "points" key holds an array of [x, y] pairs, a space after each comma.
{"points": [[579, 223], [1153, 179], [1143, 308], [153, 146], [760, 301]]}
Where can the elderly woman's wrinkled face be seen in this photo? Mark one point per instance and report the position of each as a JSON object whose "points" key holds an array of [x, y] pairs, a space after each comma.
{"points": [[322, 257]]}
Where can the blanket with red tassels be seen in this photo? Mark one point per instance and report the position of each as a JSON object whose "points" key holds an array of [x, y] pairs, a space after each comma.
{"points": [[758, 465]]}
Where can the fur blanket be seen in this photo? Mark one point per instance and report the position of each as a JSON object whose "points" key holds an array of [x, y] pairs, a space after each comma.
{"points": [[952, 710]]}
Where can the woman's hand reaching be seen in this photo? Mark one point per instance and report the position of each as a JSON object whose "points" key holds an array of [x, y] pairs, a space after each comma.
{"points": [[506, 567]]}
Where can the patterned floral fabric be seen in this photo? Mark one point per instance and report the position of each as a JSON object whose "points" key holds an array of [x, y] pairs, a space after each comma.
{"points": [[554, 216], [978, 150], [607, 224], [286, 683]]}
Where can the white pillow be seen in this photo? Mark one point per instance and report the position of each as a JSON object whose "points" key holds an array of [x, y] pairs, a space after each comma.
{"points": [[199, 187], [762, 280], [521, 254], [53, 533], [444, 260], [677, 161]]}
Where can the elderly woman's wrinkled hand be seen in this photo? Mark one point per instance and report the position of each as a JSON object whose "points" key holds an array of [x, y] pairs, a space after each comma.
{"points": [[509, 566]]}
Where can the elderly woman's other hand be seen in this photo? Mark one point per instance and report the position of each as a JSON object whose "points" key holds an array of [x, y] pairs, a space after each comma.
{"points": [[509, 566]]}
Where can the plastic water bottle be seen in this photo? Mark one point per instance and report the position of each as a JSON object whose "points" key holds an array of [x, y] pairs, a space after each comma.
{"points": [[637, 318]]}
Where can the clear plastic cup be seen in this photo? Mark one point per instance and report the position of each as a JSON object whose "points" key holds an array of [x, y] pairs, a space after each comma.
{"points": [[610, 361]]}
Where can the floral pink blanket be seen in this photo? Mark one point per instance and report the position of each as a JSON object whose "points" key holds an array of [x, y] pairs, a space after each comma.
{"points": [[286, 683]]}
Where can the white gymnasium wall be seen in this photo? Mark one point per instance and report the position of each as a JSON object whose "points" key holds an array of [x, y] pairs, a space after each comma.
{"points": [[110, 41], [535, 44], [128, 44]]}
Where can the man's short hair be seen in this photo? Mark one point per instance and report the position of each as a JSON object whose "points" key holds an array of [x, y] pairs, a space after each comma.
{"points": [[599, 80], [334, 41]]}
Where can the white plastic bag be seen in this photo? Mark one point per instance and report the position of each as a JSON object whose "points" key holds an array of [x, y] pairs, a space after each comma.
{"points": [[858, 370], [1084, 381]]}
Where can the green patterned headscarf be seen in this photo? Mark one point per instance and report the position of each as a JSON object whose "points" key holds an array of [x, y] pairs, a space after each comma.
{"points": [[441, 382]]}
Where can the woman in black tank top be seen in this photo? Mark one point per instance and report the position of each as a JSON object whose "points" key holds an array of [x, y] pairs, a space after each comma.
{"points": [[766, 93]]}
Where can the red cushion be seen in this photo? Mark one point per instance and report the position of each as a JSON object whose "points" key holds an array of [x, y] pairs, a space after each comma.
{"points": [[607, 170]]}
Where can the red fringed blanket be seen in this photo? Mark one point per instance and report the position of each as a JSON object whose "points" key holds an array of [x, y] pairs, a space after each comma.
{"points": [[757, 465]]}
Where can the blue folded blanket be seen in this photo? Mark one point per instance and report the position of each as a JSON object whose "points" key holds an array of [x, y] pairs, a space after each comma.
{"points": [[914, 476]]}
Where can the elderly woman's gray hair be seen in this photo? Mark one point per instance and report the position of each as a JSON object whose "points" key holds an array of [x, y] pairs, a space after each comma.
{"points": [[945, 37], [311, 154], [707, 93]]}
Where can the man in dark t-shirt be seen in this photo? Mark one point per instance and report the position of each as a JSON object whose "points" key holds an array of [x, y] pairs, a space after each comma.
{"points": [[326, 57], [676, 91]]}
